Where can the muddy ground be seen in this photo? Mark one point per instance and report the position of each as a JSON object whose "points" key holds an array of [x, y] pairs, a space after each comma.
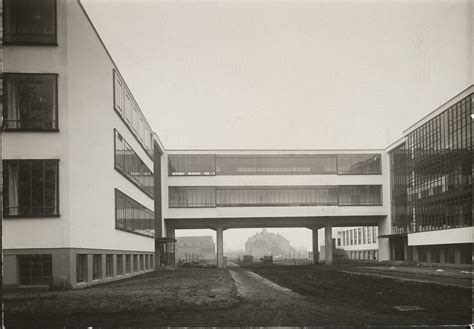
{"points": [[262, 296]]}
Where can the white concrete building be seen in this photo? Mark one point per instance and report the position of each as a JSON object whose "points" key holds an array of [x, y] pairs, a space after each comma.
{"points": [[91, 195], [224, 189], [65, 193]]}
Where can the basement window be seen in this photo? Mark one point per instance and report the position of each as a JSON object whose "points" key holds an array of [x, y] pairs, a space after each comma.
{"points": [[35, 269]]}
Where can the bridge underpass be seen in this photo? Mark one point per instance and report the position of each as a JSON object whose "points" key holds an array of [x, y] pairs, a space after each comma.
{"points": [[313, 223]]}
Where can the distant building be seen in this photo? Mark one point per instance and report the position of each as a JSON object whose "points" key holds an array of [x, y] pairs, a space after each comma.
{"points": [[265, 243], [358, 242], [195, 247]]}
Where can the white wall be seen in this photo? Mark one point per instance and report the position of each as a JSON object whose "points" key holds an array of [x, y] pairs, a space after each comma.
{"points": [[84, 145], [41, 232], [92, 121], [449, 236]]}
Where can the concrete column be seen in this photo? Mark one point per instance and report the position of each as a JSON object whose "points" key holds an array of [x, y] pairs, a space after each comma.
{"points": [[170, 233], [328, 244], [220, 247], [384, 244], [315, 246]]}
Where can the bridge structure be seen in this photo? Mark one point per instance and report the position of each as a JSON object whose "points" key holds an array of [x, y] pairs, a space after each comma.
{"points": [[314, 189]]}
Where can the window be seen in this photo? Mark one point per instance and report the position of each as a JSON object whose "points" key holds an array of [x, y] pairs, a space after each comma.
{"points": [[81, 268], [135, 263], [35, 269], [359, 164], [191, 165], [30, 101], [109, 266], [449, 255], [29, 22], [192, 197], [360, 195], [152, 261], [369, 234], [132, 216], [129, 164], [374, 234], [364, 235], [120, 264], [147, 262], [129, 111], [30, 188], [435, 255], [275, 164], [128, 263], [96, 267]]}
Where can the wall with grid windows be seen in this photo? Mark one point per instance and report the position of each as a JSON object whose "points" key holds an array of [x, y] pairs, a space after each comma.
{"points": [[273, 183], [78, 199], [99, 166]]}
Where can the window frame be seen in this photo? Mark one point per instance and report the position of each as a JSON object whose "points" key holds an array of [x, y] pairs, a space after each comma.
{"points": [[7, 42], [5, 76], [121, 112], [124, 229], [124, 173], [58, 214]]}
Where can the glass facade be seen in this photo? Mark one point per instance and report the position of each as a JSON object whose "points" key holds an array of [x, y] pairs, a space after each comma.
{"points": [[30, 188], [30, 101], [192, 197], [434, 167], [275, 196], [129, 164], [192, 165], [244, 196], [359, 164], [275, 165], [133, 217], [323, 164], [360, 195], [29, 22]]}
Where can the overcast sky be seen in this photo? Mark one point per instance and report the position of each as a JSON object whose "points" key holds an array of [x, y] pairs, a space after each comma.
{"points": [[288, 74]]}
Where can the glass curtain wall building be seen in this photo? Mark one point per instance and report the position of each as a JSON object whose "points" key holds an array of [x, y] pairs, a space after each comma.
{"points": [[431, 184]]}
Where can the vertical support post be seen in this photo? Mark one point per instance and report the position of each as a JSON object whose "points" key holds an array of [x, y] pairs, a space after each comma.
{"points": [[315, 246], [220, 247], [328, 244], [384, 245]]}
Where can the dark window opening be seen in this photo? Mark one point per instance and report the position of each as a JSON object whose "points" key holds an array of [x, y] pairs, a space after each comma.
{"points": [[29, 22], [96, 267], [30, 188], [120, 264], [30, 101], [81, 268], [35, 269], [109, 266]]}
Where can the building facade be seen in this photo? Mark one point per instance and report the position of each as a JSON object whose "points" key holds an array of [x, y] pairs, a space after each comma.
{"points": [[77, 157], [431, 186], [358, 243], [90, 194]]}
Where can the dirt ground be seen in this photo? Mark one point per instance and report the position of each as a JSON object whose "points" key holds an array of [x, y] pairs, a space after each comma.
{"points": [[261, 296]]}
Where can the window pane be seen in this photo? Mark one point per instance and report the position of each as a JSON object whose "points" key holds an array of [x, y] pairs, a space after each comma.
{"points": [[132, 216], [357, 164], [31, 187], [31, 101], [129, 164], [30, 21]]}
